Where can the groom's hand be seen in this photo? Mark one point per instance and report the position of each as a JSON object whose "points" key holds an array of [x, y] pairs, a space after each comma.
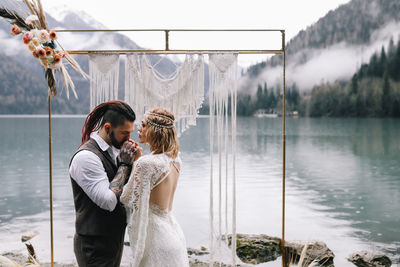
{"points": [[126, 156], [127, 153], [137, 150]]}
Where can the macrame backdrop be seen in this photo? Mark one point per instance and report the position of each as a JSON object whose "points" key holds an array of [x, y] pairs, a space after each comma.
{"points": [[223, 91], [104, 74], [182, 94]]}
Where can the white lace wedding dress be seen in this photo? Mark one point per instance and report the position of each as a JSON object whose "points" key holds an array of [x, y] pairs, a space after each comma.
{"points": [[156, 239]]}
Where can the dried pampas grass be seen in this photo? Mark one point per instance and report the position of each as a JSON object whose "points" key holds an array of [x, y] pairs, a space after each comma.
{"points": [[32, 260], [293, 259]]}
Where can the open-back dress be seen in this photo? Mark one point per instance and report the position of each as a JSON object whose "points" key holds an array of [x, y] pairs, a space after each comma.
{"points": [[156, 239]]}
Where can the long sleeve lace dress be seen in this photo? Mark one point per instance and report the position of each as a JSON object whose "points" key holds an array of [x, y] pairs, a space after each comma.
{"points": [[156, 239]]}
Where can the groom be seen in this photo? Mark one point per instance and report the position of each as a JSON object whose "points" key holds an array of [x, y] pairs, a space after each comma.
{"points": [[99, 170]]}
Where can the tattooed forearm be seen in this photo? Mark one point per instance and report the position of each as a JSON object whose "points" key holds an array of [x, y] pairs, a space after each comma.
{"points": [[118, 182]]}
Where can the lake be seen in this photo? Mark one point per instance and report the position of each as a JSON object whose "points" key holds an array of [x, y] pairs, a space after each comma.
{"points": [[342, 187]]}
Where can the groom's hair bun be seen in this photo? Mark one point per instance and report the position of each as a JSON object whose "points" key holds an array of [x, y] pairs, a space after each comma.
{"points": [[114, 112]]}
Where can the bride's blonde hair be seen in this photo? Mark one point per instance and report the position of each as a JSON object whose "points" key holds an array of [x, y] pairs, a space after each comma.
{"points": [[161, 133]]}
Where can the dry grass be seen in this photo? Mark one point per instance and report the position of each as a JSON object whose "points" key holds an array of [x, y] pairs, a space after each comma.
{"points": [[31, 262], [293, 260]]}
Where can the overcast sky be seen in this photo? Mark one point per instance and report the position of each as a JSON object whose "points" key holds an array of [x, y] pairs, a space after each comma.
{"points": [[290, 15]]}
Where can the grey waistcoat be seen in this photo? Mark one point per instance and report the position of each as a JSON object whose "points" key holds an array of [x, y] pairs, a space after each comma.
{"points": [[90, 218]]}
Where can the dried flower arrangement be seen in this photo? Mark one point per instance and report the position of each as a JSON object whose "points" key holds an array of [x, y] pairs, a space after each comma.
{"points": [[43, 43]]}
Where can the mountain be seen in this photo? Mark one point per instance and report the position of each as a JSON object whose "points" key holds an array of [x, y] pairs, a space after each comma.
{"points": [[333, 48], [24, 93], [23, 89]]}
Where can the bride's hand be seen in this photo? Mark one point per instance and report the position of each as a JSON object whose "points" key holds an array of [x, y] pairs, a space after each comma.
{"points": [[138, 151]]}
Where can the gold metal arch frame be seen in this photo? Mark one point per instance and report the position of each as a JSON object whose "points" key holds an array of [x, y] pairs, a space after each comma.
{"points": [[167, 50]]}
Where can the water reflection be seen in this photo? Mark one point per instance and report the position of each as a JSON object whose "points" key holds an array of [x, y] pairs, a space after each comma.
{"points": [[342, 177]]}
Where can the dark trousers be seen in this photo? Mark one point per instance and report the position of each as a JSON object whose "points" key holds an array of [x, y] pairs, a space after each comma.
{"points": [[98, 251]]}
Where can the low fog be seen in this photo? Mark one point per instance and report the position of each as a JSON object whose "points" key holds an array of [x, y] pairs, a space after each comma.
{"points": [[337, 62]]}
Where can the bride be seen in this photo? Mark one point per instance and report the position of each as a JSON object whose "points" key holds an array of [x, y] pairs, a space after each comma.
{"points": [[156, 238]]}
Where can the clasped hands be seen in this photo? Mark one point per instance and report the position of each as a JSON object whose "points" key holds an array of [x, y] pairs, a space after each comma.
{"points": [[130, 151]]}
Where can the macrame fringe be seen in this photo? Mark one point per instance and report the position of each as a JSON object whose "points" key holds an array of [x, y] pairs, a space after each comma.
{"points": [[104, 76], [182, 94], [223, 90]]}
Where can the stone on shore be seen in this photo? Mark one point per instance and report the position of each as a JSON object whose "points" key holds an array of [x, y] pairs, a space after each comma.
{"points": [[255, 249], [370, 259], [198, 252], [198, 263]]}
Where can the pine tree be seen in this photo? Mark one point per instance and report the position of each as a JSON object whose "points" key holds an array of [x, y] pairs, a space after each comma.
{"points": [[382, 66], [295, 97], [272, 99], [354, 84], [373, 67], [259, 96], [396, 65], [392, 49], [265, 97], [386, 101]]}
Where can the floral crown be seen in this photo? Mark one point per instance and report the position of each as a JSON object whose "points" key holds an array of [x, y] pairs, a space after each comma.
{"points": [[160, 125]]}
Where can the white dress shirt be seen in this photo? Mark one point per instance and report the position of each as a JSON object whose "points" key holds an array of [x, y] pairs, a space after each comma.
{"points": [[89, 173]]}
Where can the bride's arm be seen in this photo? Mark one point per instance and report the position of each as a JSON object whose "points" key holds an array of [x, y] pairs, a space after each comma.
{"points": [[135, 197], [133, 189]]}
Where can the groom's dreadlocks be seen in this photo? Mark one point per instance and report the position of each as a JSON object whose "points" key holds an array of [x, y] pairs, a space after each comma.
{"points": [[107, 112]]}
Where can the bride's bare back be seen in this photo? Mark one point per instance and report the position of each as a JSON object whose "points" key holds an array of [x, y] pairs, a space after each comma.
{"points": [[163, 194]]}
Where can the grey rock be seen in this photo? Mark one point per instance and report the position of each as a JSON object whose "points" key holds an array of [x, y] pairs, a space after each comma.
{"points": [[199, 263], [198, 252], [255, 249], [370, 259]]}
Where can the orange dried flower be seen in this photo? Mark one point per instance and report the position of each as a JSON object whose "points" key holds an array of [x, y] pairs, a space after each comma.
{"points": [[41, 52], [53, 35], [15, 30], [35, 55], [49, 51], [57, 58]]}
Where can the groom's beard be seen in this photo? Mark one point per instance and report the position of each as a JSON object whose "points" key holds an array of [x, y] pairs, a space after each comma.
{"points": [[114, 141]]}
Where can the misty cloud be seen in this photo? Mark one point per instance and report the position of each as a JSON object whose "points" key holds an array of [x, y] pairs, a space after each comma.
{"points": [[337, 62], [12, 45]]}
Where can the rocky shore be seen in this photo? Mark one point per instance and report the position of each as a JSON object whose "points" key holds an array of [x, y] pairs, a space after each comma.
{"points": [[256, 249]]}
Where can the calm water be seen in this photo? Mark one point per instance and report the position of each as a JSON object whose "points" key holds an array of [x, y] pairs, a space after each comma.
{"points": [[343, 183]]}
